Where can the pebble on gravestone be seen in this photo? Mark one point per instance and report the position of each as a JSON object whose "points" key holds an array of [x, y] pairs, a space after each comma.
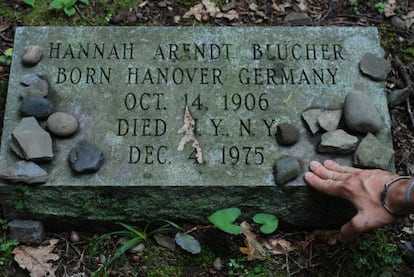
{"points": [[295, 18], [398, 96], [85, 157], [32, 55], [374, 67], [337, 142], [311, 119], [27, 231], [30, 79], [371, 153], [62, 124], [360, 114], [40, 89], [36, 106], [286, 169], [287, 134], [329, 120], [24, 171], [33, 141]]}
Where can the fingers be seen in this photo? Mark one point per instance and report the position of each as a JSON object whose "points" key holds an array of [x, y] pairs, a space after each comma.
{"points": [[328, 186], [325, 173], [339, 168]]}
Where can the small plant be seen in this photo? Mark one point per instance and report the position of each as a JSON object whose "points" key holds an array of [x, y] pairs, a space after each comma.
{"points": [[68, 6], [6, 58], [29, 2], [380, 6], [354, 5], [6, 245], [135, 236]]}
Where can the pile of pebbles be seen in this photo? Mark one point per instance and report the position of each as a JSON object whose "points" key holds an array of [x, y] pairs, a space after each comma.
{"points": [[347, 131], [31, 140]]}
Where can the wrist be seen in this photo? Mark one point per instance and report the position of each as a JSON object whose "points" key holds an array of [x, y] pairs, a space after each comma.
{"points": [[394, 196]]}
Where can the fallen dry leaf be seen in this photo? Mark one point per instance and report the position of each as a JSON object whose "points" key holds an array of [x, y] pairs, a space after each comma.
{"points": [[254, 249], [188, 130], [389, 8], [329, 236], [279, 246], [36, 259], [409, 19]]}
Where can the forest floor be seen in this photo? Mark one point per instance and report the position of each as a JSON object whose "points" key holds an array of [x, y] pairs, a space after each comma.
{"points": [[385, 252]]}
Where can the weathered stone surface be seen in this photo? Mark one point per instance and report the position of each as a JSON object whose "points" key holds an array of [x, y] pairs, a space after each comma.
{"points": [[30, 79], [23, 171], [311, 119], [360, 113], [286, 169], [36, 106], [27, 231], [329, 120], [34, 143], [85, 157], [40, 89], [398, 96], [237, 96], [371, 153], [375, 67], [337, 142], [295, 18], [287, 134], [32, 55], [62, 124]]}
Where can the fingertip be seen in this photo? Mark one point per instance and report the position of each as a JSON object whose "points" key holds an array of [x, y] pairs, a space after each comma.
{"points": [[314, 164], [309, 176], [329, 163]]}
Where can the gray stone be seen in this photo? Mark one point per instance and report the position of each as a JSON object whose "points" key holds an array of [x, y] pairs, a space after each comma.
{"points": [[398, 23], [295, 18], [286, 169], [30, 79], [371, 153], [33, 141], [23, 171], [337, 142], [27, 231], [133, 115], [398, 96], [311, 119], [36, 106], [374, 67], [360, 114], [62, 124], [85, 157], [329, 120], [287, 134], [40, 89], [32, 55]]}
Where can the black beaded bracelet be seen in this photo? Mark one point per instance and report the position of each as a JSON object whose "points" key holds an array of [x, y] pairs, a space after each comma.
{"points": [[384, 194], [408, 201]]}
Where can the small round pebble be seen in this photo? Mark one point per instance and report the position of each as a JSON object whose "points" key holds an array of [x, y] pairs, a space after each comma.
{"points": [[30, 79], [287, 134], [32, 55], [62, 124], [36, 106]]}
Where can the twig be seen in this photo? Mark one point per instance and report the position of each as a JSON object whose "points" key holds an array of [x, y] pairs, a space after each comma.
{"points": [[408, 84], [330, 9], [82, 16], [410, 112]]}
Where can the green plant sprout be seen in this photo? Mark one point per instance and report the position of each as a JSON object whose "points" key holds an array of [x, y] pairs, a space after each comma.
{"points": [[224, 220], [29, 2], [380, 6], [6, 245], [68, 6], [6, 58], [135, 236]]}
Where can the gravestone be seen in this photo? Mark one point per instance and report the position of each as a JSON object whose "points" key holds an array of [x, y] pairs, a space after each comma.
{"points": [[186, 119]]}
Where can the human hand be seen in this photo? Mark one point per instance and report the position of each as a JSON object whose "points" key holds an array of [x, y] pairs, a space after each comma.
{"points": [[362, 187]]}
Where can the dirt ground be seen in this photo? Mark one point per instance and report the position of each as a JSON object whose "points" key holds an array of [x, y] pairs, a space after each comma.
{"points": [[386, 252]]}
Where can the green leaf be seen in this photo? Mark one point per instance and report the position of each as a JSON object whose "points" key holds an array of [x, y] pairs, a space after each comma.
{"points": [[269, 221], [223, 219], [3, 59], [188, 243], [29, 2], [121, 250], [9, 52], [86, 2], [69, 11], [134, 231], [57, 4]]}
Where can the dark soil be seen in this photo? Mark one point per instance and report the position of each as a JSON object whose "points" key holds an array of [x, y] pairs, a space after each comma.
{"points": [[316, 254]]}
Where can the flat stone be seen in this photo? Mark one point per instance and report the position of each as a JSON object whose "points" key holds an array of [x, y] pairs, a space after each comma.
{"points": [[27, 231], [375, 67], [30, 79], [36, 106], [62, 124], [398, 96], [286, 169], [287, 134], [25, 172], [85, 157], [337, 142], [40, 89], [32, 55], [371, 153], [360, 114], [311, 118], [295, 19], [33, 141], [329, 120]]}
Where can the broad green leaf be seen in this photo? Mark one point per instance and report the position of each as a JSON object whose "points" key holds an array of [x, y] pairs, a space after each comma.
{"points": [[3, 59], [86, 2], [29, 2], [121, 250], [9, 52], [188, 243], [269, 222], [223, 219], [57, 4], [69, 11]]}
